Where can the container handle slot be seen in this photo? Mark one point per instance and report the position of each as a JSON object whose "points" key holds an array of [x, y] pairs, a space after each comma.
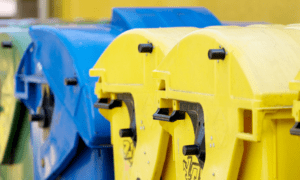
{"points": [[104, 103], [162, 114], [295, 130]]}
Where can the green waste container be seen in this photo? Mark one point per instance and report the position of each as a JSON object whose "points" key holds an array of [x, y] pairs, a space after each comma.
{"points": [[15, 149]]}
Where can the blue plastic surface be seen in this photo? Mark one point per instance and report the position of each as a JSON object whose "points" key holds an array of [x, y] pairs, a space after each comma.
{"points": [[63, 52], [83, 167]]}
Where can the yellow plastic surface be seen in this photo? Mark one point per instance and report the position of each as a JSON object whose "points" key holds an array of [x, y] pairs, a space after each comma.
{"points": [[275, 11], [129, 71], [245, 98], [295, 85]]}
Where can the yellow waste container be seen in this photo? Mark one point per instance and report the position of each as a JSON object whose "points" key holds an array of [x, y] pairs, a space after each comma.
{"points": [[237, 80], [126, 92]]}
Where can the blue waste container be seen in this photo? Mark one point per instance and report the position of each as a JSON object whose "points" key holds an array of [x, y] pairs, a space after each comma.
{"points": [[70, 139]]}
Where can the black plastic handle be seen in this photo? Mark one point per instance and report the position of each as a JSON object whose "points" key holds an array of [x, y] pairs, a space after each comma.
{"points": [[6, 44], [37, 117], [71, 81], [145, 48], [190, 150], [194, 150], [163, 115], [295, 130], [103, 103], [216, 54], [126, 133]]}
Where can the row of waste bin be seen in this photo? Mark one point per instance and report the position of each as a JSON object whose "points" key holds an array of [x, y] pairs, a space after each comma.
{"points": [[177, 99]]}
